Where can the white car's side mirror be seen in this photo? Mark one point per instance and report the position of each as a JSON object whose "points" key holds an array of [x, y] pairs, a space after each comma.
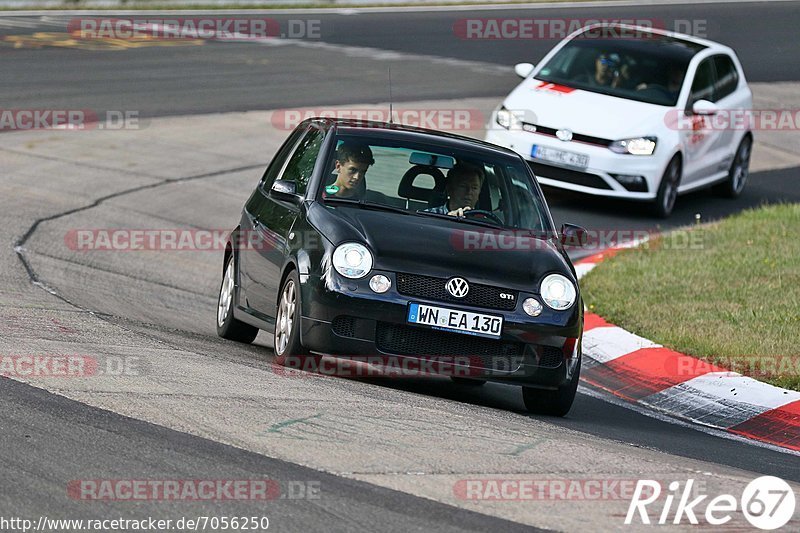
{"points": [[523, 69], [704, 108]]}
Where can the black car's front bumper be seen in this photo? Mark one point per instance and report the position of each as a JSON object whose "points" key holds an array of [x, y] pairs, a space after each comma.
{"points": [[346, 318]]}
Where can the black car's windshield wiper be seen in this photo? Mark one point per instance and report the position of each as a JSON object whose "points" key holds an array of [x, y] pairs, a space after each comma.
{"points": [[367, 205], [475, 221]]}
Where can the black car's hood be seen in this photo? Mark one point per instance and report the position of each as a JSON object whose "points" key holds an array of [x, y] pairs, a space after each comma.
{"points": [[438, 247]]}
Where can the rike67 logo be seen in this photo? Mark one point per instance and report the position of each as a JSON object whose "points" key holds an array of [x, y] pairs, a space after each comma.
{"points": [[767, 502]]}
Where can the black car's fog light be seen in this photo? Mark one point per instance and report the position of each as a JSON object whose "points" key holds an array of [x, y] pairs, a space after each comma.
{"points": [[380, 283], [532, 306]]}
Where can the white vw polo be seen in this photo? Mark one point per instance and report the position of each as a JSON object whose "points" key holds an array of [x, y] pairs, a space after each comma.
{"points": [[631, 112]]}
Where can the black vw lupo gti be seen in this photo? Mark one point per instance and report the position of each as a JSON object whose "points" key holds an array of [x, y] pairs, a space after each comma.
{"points": [[374, 239]]}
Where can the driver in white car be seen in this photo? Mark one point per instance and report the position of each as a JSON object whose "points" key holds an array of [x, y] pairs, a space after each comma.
{"points": [[463, 188]]}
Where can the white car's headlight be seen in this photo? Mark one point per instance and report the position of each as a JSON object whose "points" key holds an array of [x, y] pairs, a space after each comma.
{"points": [[507, 119], [637, 146], [352, 260], [558, 292]]}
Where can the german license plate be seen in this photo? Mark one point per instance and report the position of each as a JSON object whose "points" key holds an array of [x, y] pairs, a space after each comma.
{"points": [[455, 320], [562, 157]]}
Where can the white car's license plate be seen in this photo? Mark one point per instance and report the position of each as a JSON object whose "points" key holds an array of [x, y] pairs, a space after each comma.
{"points": [[456, 320], [562, 157]]}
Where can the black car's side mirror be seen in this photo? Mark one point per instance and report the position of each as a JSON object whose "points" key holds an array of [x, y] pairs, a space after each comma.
{"points": [[285, 190], [572, 235]]}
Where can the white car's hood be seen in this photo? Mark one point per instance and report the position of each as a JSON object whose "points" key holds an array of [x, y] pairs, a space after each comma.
{"points": [[585, 112]]}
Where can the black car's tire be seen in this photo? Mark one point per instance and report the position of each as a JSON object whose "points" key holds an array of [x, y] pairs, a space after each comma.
{"points": [[552, 402], [739, 171], [289, 351], [227, 326], [468, 381], [668, 189]]}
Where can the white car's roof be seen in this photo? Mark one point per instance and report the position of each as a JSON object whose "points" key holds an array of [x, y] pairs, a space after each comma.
{"points": [[711, 45]]}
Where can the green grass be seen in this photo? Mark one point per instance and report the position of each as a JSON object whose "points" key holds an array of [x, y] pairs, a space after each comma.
{"points": [[728, 293]]}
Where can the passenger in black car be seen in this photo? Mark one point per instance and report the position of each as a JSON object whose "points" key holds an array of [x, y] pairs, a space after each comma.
{"points": [[352, 161]]}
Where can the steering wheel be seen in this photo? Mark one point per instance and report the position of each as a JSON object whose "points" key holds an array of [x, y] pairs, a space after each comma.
{"points": [[484, 214]]}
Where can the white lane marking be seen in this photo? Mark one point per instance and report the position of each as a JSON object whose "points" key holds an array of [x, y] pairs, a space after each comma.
{"points": [[721, 399], [604, 344], [19, 23], [661, 416], [380, 54]]}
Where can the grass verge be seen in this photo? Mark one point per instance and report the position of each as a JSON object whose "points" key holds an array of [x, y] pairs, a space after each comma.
{"points": [[728, 292]]}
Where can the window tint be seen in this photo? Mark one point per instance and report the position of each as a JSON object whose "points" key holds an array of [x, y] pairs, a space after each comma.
{"points": [[399, 179], [727, 77], [277, 162], [703, 84], [301, 165]]}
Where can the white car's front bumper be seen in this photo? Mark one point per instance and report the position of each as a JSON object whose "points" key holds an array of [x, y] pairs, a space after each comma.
{"points": [[598, 177]]}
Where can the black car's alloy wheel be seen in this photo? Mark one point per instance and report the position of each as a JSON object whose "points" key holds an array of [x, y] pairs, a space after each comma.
{"points": [[552, 402], [227, 326], [289, 350]]}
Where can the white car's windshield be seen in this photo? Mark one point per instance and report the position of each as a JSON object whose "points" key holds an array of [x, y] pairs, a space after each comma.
{"points": [[648, 68]]}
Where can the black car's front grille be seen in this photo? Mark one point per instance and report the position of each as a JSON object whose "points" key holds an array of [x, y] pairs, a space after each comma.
{"points": [[550, 357], [478, 295], [422, 342], [570, 176], [344, 326]]}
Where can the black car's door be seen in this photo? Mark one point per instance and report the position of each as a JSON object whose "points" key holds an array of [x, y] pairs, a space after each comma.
{"points": [[246, 260], [272, 220]]}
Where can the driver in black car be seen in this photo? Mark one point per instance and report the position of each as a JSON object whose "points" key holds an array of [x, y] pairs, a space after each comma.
{"points": [[464, 182]]}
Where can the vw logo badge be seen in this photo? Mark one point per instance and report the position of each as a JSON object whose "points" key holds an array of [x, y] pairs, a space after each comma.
{"points": [[457, 287], [564, 135]]}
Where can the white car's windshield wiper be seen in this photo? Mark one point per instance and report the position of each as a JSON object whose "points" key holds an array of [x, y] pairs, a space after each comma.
{"points": [[367, 205]]}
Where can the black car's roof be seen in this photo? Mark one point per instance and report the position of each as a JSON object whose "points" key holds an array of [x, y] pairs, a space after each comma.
{"points": [[403, 131]]}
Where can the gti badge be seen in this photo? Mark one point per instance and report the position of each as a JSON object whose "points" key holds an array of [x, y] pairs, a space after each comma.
{"points": [[457, 287], [564, 135]]}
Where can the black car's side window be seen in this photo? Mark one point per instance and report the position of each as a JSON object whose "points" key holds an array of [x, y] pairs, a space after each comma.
{"points": [[703, 84], [301, 165], [280, 158]]}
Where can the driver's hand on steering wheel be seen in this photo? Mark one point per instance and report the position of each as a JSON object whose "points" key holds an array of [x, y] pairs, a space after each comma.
{"points": [[460, 212]]}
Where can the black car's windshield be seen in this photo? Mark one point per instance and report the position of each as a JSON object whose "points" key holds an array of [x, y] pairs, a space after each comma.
{"points": [[467, 185], [644, 66]]}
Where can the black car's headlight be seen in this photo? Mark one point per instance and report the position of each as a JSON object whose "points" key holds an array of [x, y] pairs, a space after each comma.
{"points": [[636, 146], [352, 260], [558, 292]]}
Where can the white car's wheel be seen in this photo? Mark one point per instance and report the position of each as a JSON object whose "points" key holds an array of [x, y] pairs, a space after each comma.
{"points": [[668, 189], [739, 171]]}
